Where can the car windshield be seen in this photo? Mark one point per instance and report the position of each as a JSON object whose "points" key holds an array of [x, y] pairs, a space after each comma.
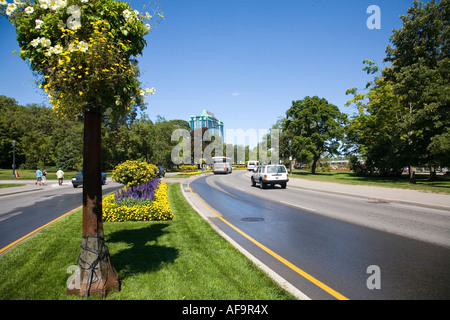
{"points": [[276, 169]]}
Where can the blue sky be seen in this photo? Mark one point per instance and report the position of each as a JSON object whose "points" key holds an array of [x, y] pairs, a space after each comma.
{"points": [[243, 60]]}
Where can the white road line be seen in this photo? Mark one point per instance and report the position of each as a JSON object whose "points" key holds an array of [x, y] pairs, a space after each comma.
{"points": [[295, 205]]}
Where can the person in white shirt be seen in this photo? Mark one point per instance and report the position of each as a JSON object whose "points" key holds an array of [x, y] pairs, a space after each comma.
{"points": [[60, 176]]}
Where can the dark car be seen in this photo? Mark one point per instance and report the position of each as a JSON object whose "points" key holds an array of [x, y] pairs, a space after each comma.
{"points": [[77, 180], [161, 172]]}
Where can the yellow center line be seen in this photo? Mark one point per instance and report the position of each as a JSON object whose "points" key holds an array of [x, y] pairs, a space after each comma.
{"points": [[38, 229], [275, 255]]}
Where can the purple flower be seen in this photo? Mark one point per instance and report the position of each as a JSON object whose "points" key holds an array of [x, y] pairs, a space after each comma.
{"points": [[145, 191]]}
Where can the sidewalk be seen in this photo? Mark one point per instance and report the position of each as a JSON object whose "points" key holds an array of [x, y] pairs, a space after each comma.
{"points": [[379, 194], [29, 186]]}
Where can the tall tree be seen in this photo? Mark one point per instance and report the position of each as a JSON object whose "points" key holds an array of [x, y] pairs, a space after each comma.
{"points": [[420, 57], [373, 132], [317, 127]]}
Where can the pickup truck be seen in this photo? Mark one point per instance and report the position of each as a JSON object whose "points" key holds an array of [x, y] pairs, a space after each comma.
{"points": [[77, 180]]}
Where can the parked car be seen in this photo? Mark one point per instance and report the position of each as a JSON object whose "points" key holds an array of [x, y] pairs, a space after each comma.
{"points": [[271, 174], [161, 172], [77, 180]]}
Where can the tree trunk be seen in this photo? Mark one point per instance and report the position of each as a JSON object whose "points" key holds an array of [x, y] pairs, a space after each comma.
{"points": [[314, 164], [96, 274], [412, 175], [433, 174]]}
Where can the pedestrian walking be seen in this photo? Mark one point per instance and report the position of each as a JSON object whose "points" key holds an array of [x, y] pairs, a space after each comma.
{"points": [[60, 176], [38, 176], [44, 176]]}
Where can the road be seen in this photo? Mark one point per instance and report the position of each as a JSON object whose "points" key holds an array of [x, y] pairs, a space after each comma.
{"points": [[332, 246], [24, 212]]}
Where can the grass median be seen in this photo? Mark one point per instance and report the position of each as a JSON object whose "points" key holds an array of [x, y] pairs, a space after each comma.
{"points": [[179, 259]]}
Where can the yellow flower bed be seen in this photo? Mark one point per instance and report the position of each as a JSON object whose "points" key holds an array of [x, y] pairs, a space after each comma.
{"points": [[133, 173], [159, 209], [188, 173]]}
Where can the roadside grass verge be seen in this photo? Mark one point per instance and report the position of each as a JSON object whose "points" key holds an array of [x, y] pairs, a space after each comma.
{"points": [[171, 260], [11, 185], [423, 183], [27, 174]]}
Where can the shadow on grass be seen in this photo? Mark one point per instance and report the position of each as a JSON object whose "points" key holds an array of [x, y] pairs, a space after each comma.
{"points": [[144, 255]]}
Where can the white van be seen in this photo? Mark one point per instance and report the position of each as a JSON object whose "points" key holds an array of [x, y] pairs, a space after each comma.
{"points": [[252, 165], [222, 165]]}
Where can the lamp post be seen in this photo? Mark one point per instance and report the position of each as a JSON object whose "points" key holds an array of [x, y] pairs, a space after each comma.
{"points": [[290, 158], [14, 158]]}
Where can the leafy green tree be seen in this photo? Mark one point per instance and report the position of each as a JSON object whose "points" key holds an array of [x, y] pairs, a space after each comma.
{"points": [[69, 150], [317, 127], [374, 132], [161, 141], [38, 142], [10, 130], [420, 74], [440, 148]]}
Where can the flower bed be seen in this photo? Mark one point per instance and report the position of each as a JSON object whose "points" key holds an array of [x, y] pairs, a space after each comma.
{"points": [[147, 202], [189, 173], [133, 173]]}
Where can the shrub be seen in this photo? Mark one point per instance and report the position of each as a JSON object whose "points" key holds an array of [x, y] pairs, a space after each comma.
{"points": [[186, 167], [133, 173], [144, 210]]}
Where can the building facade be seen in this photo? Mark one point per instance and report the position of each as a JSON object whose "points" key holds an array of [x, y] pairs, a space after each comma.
{"points": [[207, 120]]}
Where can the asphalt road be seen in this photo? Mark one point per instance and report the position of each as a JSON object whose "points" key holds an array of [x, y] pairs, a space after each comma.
{"points": [[349, 246], [23, 213]]}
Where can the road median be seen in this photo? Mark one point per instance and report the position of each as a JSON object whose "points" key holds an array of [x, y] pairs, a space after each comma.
{"points": [[183, 259]]}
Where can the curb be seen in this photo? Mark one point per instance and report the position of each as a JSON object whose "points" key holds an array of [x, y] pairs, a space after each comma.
{"points": [[272, 274], [19, 191], [379, 199]]}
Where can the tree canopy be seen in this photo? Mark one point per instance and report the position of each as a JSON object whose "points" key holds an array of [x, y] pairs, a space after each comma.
{"points": [[43, 139], [420, 74], [316, 127]]}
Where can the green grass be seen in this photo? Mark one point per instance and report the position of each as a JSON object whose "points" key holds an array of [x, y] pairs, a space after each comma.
{"points": [[180, 259], [25, 174], [11, 185], [423, 183]]}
